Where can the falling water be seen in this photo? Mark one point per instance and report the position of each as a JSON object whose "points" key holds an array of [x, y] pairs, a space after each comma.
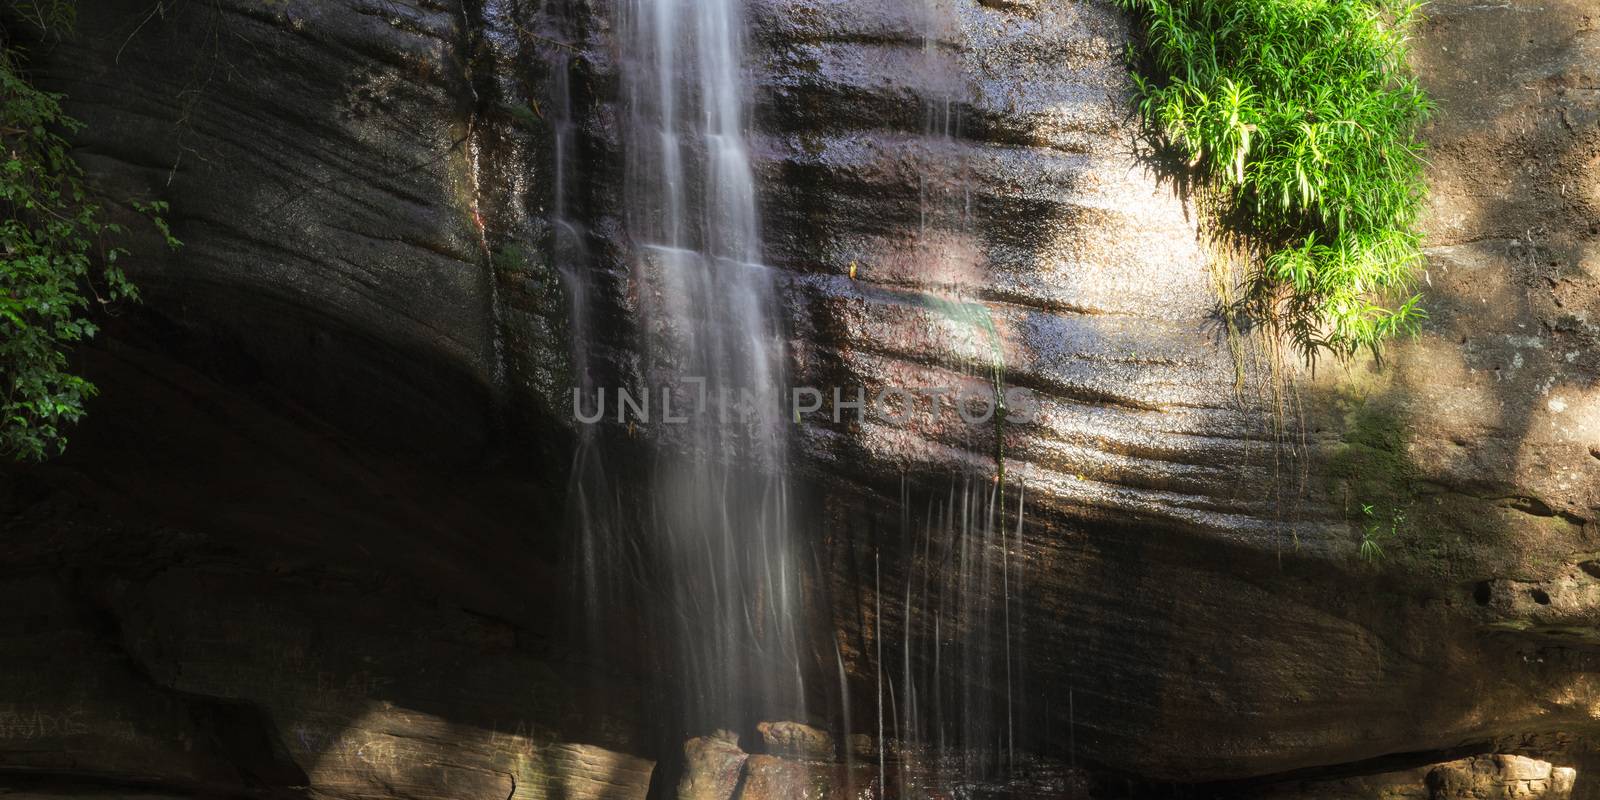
{"points": [[959, 678], [704, 525], [705, 532]]}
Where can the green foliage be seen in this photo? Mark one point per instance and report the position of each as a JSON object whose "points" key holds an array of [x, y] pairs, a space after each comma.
{"points": [[1371, 468], [55, 263], [1300, 119], [1377, 529]]}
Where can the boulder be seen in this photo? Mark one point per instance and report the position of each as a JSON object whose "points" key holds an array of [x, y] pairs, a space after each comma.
{"points": [[797, 740], [711, 768]]}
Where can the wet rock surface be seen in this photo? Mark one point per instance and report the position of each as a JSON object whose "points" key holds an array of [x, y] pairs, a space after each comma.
{"points": [[796, 739], [961, 188], [905, 774], [945, 191]]}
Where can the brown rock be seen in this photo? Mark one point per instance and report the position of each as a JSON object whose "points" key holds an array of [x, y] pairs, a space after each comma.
{"points": [[711, 767], [1562, 781], [1521, 768], [796, 739], [862, 745], [774, 778], [1498, 775]]}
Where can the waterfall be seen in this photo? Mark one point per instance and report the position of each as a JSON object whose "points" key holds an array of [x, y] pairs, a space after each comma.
{"points": [[694, 520], [705, 524], [720, 519]]}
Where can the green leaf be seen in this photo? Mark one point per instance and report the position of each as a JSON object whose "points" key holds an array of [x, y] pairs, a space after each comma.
{"points": [[54, 263]]}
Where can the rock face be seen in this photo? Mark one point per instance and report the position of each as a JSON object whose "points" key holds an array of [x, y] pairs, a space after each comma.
{"points": [[212, 600], [334, 176], [956, 187], [952, 190], [233, 586]]}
